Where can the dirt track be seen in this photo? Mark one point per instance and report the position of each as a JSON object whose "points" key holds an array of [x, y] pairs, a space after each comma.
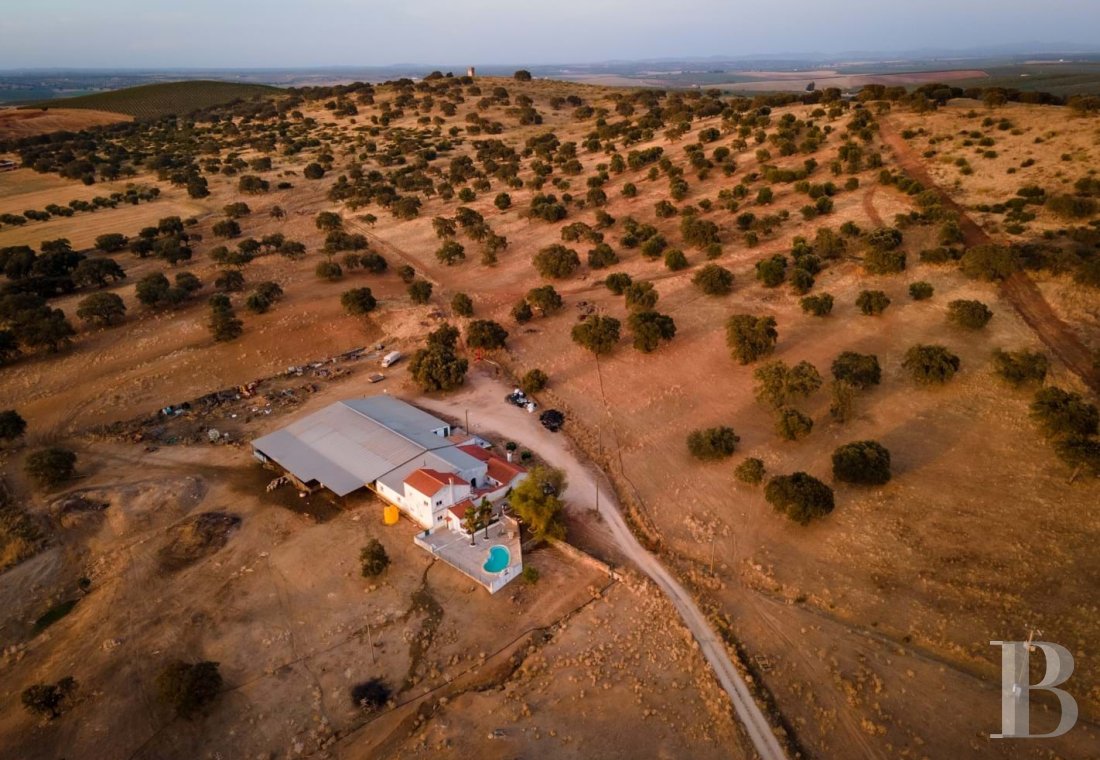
{"points": [[482, 395], [1019, 289]]}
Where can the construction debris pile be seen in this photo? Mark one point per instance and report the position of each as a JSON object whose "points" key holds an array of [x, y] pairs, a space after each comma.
{"points": [[221, 417]]}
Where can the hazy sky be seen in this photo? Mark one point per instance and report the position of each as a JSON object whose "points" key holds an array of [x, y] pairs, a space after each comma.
{"points": [[294, 33]]}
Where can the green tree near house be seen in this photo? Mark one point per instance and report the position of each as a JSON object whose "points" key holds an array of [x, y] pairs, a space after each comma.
{"points": [[537, 501]]}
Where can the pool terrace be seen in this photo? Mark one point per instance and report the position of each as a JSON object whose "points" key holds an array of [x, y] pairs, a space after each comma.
{"points": [[453, 547]]}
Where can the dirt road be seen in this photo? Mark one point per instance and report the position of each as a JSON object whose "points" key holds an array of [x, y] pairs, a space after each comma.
{"points": [[1019, 289], [483, 399]]}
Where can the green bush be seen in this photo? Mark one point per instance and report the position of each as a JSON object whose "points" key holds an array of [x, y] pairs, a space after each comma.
{"points": [[709, 444], [328, 270], [931, 364], [1063, 414], [597, 333], [533, 381], [820, 305], [872, 302], [1020, 367], [791, 424], [973, 315], [675, 260], [865, 462], [650, 328], [618, 282], [462, 305], [358, 301], [556, 261], [373, 559], [861, 370], [990, 262], [750, 338], [750, 471], [437, 367], [714, 280], [799, 496], [920, 291], [420, 291], [884, 262], [485, 334]]}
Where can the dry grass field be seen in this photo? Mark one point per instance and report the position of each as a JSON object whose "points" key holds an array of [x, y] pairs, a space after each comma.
{"points": [[869, 629], [16, 123]]}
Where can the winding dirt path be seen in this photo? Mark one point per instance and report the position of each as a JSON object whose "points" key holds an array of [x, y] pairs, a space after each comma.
{"points": [[483, 398], [1019, 289]]}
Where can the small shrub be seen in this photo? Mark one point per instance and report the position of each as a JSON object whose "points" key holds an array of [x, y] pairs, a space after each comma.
{"points": [[1020, 367], [462, 305], [328, 270], [799, 496], [530, 574], [792, 425], [920, 291], [820, 305], [750, 471], [1063, 414], [861, 370], [973, 315], [533, 381], [618, 282], [714, 280], [420, 291], [864, 462], [675, 260], [358, 301], [931, 364], [712, 443], [750, 338], [872, 302], [485, 334], [373, 559]]}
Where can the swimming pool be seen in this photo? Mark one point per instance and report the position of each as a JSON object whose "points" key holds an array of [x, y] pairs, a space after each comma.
{"points": [[498, 559]]}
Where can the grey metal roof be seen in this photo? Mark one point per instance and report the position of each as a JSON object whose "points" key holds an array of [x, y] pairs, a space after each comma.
{"points": [[351, 443], [401, 418]]}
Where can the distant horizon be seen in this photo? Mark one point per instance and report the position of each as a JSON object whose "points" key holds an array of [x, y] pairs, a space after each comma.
{"points": [[926, 55], [290, 34]]}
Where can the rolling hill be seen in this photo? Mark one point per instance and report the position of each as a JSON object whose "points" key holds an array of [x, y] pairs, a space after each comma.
{"points": [[153, 100]]}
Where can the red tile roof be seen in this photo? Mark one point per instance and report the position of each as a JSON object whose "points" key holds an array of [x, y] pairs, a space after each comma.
{"points": [[429, 482], [459, 509], [500, 470]]}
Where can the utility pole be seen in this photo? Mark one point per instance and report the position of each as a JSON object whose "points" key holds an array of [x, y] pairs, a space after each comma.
{"points": [[370, 643], [467, 422], [712, 553], [597, 497]]}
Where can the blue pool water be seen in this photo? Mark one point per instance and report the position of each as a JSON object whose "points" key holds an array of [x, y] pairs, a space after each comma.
{"points": [[498, 559]]}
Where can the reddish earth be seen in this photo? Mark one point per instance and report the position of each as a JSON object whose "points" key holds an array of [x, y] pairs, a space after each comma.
{"points": [[1019, 289]]}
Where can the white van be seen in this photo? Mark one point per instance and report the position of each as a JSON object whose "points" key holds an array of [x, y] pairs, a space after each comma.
{"points": [[391, 358]]}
